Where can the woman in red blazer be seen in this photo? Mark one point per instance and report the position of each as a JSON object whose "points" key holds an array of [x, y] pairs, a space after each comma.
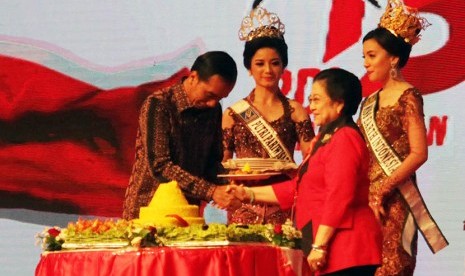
{"points": [[330, 193]]}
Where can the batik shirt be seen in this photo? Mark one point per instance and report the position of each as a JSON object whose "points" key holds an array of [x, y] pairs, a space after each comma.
{"points": [[175, 141]]}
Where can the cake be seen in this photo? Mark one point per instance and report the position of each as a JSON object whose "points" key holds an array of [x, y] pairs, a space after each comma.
{"points": [[169, 206]]}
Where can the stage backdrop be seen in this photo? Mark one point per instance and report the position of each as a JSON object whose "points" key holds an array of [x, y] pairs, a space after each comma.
{"points": [[74, 73]]}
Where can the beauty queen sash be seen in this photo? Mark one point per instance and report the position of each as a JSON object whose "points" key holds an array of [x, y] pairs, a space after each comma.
{"points": [[389, 162], [262, 130]]}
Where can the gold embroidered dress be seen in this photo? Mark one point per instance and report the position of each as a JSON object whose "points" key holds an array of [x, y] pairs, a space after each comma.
{"points": [[392, 122], [175, 141], [244, 144]]}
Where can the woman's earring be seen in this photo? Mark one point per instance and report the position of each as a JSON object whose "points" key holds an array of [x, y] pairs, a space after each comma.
{"points": [[393, 71]]}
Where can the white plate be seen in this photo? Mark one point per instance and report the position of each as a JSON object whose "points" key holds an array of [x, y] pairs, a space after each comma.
{"points": [[259, 164], [249, 176]]}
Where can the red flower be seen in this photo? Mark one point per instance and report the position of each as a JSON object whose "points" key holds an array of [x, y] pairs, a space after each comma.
{"points": [[53, 232], [278, 228]]}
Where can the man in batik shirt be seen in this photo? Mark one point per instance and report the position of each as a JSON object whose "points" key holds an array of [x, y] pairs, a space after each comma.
{"points": [[179, 136]]}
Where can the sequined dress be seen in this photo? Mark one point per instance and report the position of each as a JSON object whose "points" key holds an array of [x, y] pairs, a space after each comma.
{"points": [[392, 122], [244, 144]]}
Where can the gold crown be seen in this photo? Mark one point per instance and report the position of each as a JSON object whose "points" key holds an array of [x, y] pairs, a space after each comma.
{"points": [[261, 23], [403, 21]]}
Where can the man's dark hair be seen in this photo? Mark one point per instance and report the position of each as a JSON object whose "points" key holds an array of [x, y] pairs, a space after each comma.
{"points": [[215, 63]]}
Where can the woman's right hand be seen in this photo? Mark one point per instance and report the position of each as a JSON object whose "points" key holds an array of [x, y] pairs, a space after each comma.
{"points": [[376, 204], [317, 260]]}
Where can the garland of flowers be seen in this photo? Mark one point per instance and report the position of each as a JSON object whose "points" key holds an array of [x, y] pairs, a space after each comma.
{"points": [[126, 233]]}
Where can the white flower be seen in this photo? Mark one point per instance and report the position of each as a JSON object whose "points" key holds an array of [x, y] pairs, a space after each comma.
{"points": [[136, 241]]}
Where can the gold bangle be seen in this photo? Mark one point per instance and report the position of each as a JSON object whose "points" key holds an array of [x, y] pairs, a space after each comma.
{"points": [[320, 248], [251, 194]]}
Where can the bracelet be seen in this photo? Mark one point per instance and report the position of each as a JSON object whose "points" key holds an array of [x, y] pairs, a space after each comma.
{"points": [[320, 248], [251, 194]]}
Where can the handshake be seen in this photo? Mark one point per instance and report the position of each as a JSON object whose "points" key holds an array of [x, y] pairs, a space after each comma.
{"points": [[231, 196]]}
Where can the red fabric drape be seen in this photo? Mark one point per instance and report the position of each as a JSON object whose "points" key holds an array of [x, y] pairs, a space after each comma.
{"points": [[245, 260], [65, 145]]}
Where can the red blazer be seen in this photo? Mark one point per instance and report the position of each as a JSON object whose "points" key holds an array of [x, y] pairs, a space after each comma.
{"points": [[334, 192]]}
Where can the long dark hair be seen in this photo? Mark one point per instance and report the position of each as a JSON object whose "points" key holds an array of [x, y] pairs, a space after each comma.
{"points": [[394, 45]]}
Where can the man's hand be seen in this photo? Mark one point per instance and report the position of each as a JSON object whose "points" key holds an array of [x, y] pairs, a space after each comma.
{"points": [[224, 198], [239, 191]]}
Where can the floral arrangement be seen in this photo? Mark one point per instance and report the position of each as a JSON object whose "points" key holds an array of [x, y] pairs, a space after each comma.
{"points": [[49, 239], [122, 233], [286, 235]]}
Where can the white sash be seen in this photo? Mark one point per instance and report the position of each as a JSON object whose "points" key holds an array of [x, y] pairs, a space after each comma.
{"points": [[389, 162], [261, 129]]}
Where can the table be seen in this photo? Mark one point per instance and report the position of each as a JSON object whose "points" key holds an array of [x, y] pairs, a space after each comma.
{"points": [[234, 260]]}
